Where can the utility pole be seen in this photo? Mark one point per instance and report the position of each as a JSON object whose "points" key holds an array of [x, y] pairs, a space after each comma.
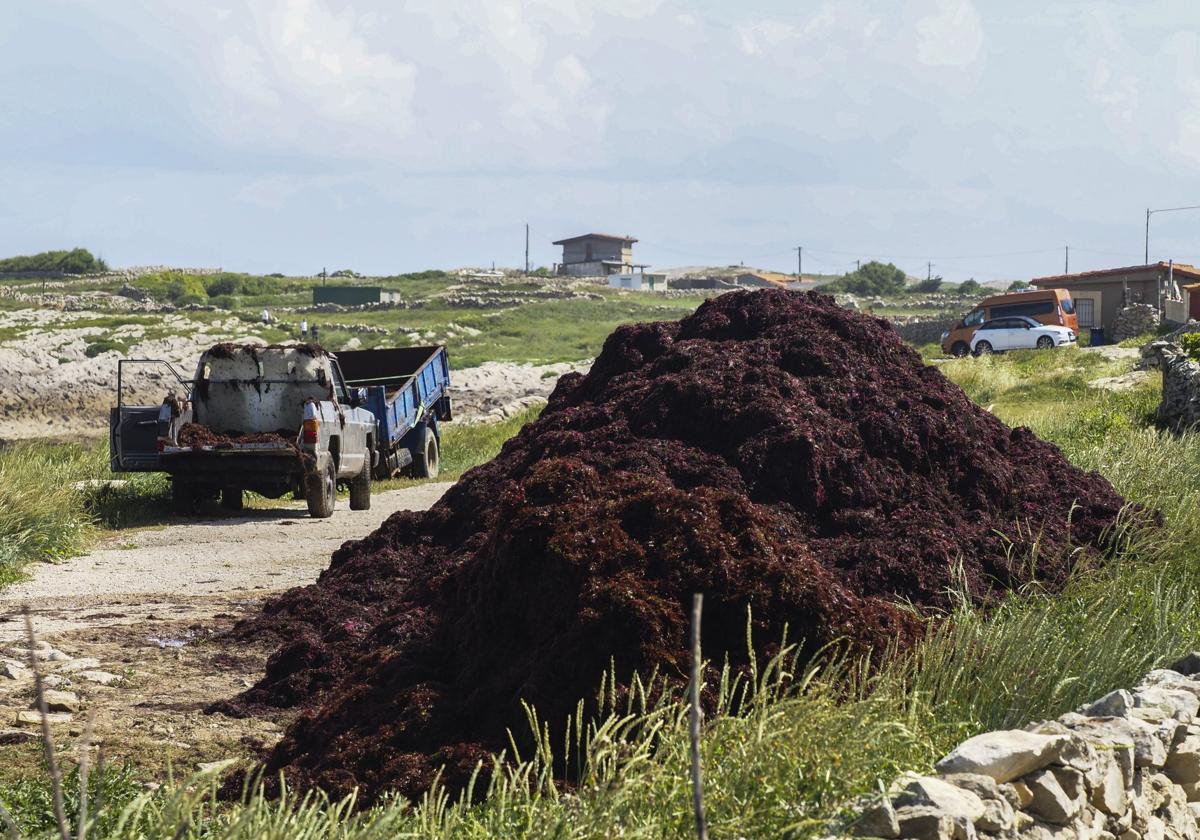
{"points": [[928, 271], [857, 265], [1066, 259], [324, 275], [799, 249], [1150, 212], [527, 249]]}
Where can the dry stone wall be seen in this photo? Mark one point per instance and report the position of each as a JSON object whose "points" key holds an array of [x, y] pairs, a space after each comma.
{"points": [[1125, 767], [1180, 405], [1136, 319]]}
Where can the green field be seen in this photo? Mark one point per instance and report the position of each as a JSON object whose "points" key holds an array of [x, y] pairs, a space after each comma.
{"points": [[800, 751]]}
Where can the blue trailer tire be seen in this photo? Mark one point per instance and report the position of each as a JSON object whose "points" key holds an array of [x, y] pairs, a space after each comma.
{"points": [[427, 458]]}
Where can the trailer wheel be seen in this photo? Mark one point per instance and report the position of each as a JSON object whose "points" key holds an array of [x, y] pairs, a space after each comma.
{"points": [[184, 498], [231, 498], [321, 492], [425, 465], [360, 489]]}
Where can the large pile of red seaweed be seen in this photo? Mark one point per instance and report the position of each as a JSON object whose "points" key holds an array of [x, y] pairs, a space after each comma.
{"points": [[772, 451]]}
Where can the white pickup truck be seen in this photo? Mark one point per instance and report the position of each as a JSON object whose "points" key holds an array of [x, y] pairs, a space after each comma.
{"points": [[272, 420]]}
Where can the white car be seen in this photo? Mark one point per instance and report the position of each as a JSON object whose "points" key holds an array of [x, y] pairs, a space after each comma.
{"points": [[1018, 333]]}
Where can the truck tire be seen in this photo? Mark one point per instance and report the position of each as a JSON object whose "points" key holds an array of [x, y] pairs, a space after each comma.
{"points": [[184, 498], [231, 498], [320, 492], [360, 489], [425, 462]]}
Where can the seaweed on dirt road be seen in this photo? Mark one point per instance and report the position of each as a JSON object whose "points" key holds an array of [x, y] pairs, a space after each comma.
{"points": [[771, 450]]}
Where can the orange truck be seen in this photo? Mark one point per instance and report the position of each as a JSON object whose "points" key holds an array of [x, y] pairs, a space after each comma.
{"points": [[1046, 306]]}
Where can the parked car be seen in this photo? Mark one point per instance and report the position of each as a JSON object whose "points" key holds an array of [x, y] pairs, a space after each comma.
{"points": [[1021, 333], [1052, 307]]}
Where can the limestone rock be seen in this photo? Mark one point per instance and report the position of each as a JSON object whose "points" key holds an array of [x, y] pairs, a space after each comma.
{"points": [[1114, 704], [1179, 704], [99, 677], [878, 821], [85, 663], [1003, 755], [33, 718], [936, 793], [923, 822], [61, 701], [1050, 802], [11, 669]]}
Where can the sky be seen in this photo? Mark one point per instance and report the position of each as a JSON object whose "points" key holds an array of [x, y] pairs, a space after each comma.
{"points": [[291, 135]]}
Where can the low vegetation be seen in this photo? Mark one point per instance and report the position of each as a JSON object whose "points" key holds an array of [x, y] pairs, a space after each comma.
{"points": [[75, 261]]}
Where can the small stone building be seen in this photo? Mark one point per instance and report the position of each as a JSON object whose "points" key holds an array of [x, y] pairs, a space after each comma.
{"points": [[353, 295], [1100, 295], [596, 255]]}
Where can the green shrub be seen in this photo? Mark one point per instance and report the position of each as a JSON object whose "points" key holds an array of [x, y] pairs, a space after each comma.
{"points": [[75, 261], [1191, 344], [105, 345], [872, 278]]}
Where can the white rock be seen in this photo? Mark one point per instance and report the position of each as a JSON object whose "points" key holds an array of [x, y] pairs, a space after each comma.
{"points": [[1050, 802], [85, 663], [11, 669], [1114, 704], [55, 681], [216, 766], [99, 677], [936, 793], [1179, 704], [1004, 755], [32, 718], [1109, 794], [61, 701]]}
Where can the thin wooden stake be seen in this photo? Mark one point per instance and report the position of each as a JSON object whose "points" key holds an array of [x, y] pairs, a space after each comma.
{"points": [[694, 721], [84, 746], [60, 813]]}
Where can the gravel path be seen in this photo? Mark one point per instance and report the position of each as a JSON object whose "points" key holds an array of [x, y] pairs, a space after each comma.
{"points": [[196, 569]]}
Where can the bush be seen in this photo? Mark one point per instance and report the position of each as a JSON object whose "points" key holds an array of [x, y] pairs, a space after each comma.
{"points": [[929, 284], [75, 261], [970, 287], [873, 278], [1191, 345], [1018, 286], [105, 345]]}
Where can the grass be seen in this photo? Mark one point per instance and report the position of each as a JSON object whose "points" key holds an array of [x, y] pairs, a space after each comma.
{"points": [[805, 744], [56, 499]]}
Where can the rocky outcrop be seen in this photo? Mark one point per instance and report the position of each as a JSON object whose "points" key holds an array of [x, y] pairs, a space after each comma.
{"points": [[1126, 766]]}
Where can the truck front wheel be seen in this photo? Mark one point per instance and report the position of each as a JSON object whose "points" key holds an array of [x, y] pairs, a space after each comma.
{"points": [[426, 463], [320, 491], [360, 489]]}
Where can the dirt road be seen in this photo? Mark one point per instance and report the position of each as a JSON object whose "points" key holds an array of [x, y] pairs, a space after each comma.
{"points": [[133, 632], [196, 569]]}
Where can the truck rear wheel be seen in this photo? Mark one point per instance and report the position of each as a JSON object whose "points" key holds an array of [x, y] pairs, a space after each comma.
{"points": [[320, 492], [231, 498], [185, 498], [425, 465], [360, 489]]}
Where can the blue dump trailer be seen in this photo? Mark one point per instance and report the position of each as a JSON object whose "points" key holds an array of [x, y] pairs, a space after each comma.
{"points": [[407, 389]]}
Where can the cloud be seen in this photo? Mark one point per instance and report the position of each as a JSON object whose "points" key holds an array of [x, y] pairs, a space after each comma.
{"points": [[950, 36]]}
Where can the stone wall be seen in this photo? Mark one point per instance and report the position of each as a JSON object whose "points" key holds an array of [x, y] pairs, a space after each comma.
{"points": [[918, 331], [1180, 406], [1125, 767], [1136, 319]]}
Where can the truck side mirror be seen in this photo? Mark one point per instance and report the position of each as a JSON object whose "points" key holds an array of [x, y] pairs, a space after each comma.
{"points": [[358, 396]]}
